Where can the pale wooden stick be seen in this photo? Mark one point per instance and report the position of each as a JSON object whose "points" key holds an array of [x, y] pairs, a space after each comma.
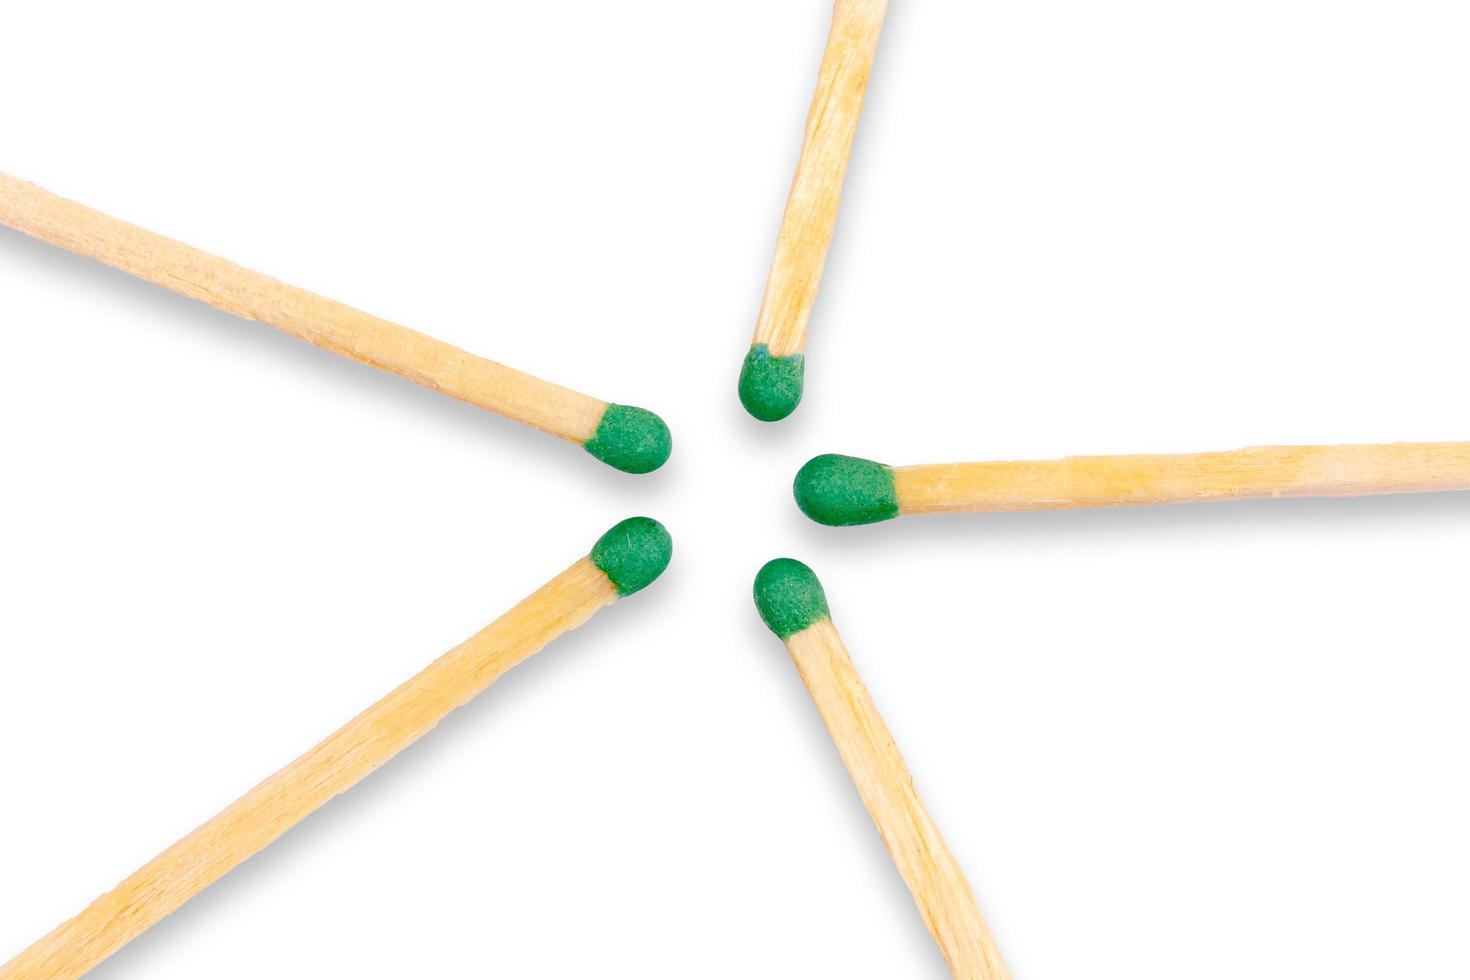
{"points": [[1106, 481], [326, 323], [816, 190], [792, 602], [844, 490], [333, 766]]}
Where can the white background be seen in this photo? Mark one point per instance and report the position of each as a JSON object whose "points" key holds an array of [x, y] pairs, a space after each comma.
{"points": [[1204, 742]]}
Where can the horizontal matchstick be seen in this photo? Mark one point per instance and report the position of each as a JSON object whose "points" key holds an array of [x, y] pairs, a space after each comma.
{"points": [[631, 439], [771, 377], [624, 560], [846, 490], [794, 606]]}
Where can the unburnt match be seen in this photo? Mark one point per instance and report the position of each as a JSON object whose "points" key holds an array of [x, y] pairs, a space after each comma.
{"points": [[846, 490], [631, 439], [771, 378], [794, 606], [625, 559]]}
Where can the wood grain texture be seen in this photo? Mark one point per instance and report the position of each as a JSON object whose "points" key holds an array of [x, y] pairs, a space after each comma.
{"points": [[326, 323], [887, 790], [1114, 481], [816, 190], [276, 805]]}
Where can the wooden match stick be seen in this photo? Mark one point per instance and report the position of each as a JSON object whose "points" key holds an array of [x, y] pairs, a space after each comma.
{"points": [[625, 559], [793, 605], [631, 439], [771, 378], [846, 490]]}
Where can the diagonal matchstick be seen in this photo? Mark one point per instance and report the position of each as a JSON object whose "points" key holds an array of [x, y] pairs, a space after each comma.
{"points": [[846, 490], [793, 605], [631, 439], [625, 559], [771, 378]]}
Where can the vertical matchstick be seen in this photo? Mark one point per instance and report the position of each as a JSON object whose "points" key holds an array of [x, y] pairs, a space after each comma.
{"points": [[793, 605], [771, 378], [625, 559], [628, 438], [845, 490]]}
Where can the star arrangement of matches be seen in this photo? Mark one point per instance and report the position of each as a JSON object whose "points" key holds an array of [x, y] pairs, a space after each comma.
{"points": [[836, 489]]}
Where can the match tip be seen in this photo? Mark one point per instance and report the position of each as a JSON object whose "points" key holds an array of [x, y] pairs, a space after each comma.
{"points": [[844, 490], [770, 387], [789, 596], [633, 553], [631, 439]]}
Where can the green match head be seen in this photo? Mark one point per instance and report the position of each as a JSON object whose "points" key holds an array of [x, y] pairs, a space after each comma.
{"points": [[789, 596], [633, 440], [770, 387], [633, 553], [845, 490]]}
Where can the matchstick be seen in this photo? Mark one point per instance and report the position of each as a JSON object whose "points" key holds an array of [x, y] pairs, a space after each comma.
{"points": [[625, 559], [793, 605], [846, 490], [631, 439], [771, 378]]}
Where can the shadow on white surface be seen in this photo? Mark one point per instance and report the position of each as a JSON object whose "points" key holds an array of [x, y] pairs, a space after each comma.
{"points": [[1350, 515]]}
